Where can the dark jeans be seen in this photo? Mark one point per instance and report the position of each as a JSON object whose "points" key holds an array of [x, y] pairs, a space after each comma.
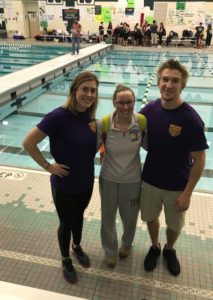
{"points": [[75, 44], [70, 209], [208, 39]]}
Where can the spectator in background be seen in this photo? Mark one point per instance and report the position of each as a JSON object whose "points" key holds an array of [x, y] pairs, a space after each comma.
{"points": [[126, 34], [161, 33], [208, 35], [76, 37], [169, 38], [199, 35], [116, 33], [120, 34], [45, 30], [154, 32], [136, 35], [109, 31], [147, 34], [101, 32]]}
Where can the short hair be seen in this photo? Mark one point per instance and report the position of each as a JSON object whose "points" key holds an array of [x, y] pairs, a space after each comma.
{"points": [[122, 88], [70, 103], [174, 64]]}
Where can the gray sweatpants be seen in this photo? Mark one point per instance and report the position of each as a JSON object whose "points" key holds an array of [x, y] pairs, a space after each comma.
{"points": [[122, 196]]}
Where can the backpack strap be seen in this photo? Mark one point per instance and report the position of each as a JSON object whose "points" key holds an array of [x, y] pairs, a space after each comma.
{"points": [[141, 121], [105, 125]]}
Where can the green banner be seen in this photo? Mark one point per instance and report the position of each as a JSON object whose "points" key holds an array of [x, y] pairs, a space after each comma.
{"points": [[131, 3], [149, 19], [181, 5], [44, 24], [106, 14]]}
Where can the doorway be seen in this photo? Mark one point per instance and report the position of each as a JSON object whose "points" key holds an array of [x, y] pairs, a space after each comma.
{"points": [[33, 24]]}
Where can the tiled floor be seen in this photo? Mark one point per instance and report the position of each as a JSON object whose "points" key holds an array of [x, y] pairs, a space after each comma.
{"points": [[29, 253]]}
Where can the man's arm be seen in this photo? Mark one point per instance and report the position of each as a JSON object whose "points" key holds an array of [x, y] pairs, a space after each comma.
{"points": [[183, 201]]}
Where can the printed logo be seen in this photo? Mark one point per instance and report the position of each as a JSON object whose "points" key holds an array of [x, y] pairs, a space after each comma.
{"points": [[174, 130], [134, 134], [92, 126]]}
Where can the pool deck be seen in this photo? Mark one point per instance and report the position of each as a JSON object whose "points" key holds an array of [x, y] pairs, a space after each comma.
{"points": [[30, 260], [30, 256]]}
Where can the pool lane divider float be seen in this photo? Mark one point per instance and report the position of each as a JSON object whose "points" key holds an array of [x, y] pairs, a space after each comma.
{"points": [[204, 63], [149, 83]]}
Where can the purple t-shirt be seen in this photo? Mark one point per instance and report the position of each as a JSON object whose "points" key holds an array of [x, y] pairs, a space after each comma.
{"points": [[73, 142], [172, 135]]}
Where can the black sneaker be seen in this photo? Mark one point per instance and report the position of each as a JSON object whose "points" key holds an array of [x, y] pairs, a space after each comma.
{"points": [[151, 258], [81, 256], [69, 271], [172, 261]]}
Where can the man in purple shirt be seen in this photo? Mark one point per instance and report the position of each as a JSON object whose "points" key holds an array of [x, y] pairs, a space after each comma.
{"points": [[175, 159]]}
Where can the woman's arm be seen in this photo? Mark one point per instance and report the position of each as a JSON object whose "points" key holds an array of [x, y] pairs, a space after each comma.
{"points": [[34, 137], [30, 144]]}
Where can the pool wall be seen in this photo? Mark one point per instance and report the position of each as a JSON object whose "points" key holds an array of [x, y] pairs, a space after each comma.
{"points": [[14, 86]]}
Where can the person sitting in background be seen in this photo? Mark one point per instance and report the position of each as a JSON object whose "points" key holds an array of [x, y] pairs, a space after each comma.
{"points": [[18, 35], [169, 38], [45, 30]]}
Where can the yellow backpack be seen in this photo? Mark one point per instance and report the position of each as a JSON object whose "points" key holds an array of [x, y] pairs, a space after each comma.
{"points": [[105, 124]]}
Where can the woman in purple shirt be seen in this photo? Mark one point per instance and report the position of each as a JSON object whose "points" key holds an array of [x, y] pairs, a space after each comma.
{"points": [[72, 134]]}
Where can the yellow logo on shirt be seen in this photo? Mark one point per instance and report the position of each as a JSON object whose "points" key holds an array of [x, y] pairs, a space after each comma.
{"points": [[92, 126], [134, 134], [174, 130]]}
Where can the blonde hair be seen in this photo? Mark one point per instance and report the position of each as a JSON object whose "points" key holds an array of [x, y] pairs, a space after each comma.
{"points": [[70, 103], [174, 64]]}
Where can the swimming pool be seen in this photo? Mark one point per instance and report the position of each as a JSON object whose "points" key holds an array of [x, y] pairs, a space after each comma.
{"points": [[15, 57], [136, 69]]}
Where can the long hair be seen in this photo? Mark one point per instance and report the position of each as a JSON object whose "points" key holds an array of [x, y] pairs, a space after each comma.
{"points": [[70, 103]]}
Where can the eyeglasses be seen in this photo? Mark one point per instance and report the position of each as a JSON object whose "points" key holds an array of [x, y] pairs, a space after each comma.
{"points": [[123, 103]]}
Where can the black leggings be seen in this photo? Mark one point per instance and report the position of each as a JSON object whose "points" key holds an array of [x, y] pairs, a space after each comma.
{"points": [[70, 209]]}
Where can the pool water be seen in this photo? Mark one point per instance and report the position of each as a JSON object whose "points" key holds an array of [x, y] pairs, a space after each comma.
{"points": [[135, 69], [15, 57]]}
